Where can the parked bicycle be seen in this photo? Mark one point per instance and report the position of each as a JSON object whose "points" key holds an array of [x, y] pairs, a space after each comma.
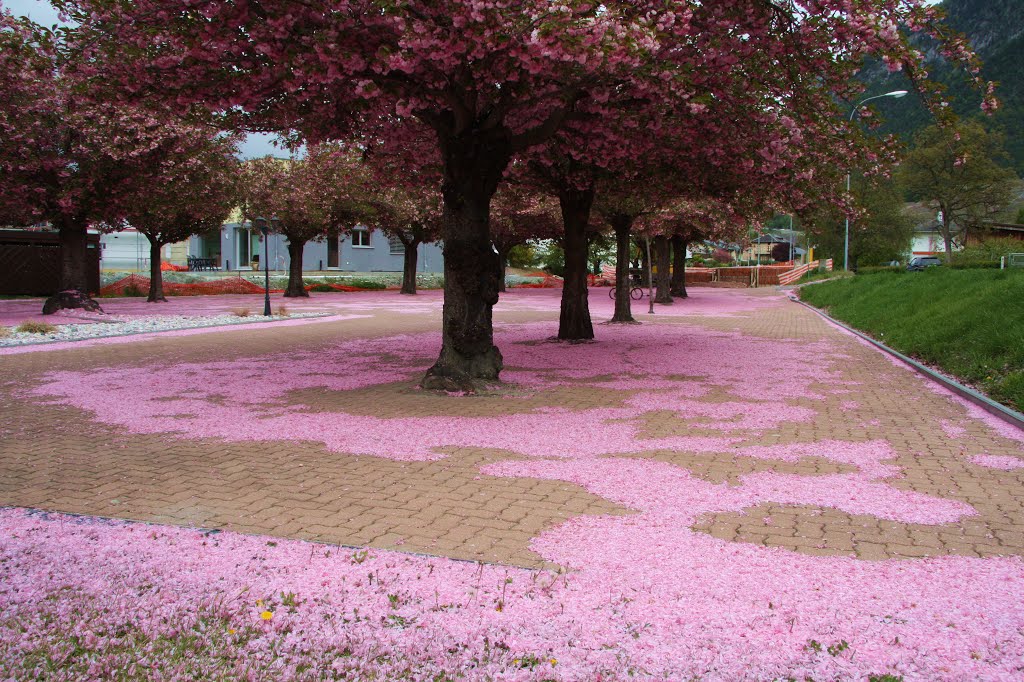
{"points": [[636, 292]]}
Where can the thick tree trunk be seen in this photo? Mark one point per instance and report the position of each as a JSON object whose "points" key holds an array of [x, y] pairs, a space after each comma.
{"points": [[74, 277], [412, 249], [473, 165], [296, 287], [678, 287], [156, 275], [621, 225], [574, 322], [663, 279]]}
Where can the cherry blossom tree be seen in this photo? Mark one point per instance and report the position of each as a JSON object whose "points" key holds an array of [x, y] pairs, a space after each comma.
{"points": [[519, 215], [490, 79], [401, 180], [71, 160], [199, 191], [305, 198], [687, 220]]}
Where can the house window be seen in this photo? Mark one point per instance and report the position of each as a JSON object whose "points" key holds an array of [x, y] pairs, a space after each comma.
{"points": [[397, 247], [361, 238]]}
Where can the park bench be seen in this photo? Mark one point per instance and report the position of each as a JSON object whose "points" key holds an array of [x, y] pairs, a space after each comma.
{"points": [[196, 264]]}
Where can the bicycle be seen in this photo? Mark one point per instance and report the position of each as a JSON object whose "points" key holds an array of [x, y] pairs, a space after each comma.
{"points": [[636, 292]]}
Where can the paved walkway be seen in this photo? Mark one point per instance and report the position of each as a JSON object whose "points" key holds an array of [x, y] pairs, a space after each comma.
{"points": [[214, 430]]}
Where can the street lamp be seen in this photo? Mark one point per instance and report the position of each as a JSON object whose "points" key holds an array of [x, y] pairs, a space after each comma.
{"points": [[846, 242], [263, 225]]}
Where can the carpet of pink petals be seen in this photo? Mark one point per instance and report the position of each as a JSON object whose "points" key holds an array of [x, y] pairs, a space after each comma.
{"points": [[642, 596]]}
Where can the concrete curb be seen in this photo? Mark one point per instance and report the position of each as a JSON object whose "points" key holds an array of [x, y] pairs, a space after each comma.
{"points": [[1002, 411]]}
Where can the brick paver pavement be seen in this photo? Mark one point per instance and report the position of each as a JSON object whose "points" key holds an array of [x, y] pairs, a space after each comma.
{"points": [[59, 458]]}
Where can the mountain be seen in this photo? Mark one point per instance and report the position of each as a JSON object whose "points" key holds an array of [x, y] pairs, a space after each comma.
{"points": [[995, 29]]}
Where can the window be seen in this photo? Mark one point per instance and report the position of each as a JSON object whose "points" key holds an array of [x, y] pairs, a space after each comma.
{"points": [[397, 247], [361, 238]]}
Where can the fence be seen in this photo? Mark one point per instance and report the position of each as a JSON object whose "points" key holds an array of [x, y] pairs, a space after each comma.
{"points": [[796, 273], [749, 276], [30, 263]]}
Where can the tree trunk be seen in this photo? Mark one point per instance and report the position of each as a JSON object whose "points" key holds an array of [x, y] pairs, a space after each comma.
{"points": [[663, 279], [156, 275], [502, 266], [645, 270], [678, 287], [296, 287], [574, 322], [621, 225], [74, 264], [947, 236], [473, 166], [412, 248]]}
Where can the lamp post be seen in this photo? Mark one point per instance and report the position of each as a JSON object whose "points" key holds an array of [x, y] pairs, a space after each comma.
{"points": [[264, 226], [650, 277], [846, 241]]}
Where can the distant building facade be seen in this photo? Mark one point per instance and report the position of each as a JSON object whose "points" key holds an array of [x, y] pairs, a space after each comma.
{"points": [[237, 246]]}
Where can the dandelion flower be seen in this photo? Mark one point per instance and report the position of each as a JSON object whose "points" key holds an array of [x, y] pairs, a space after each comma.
{"points": [[267, 615]]}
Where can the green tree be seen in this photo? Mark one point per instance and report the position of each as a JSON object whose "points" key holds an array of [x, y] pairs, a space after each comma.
{"points": [[958, 170], [879, 233]]}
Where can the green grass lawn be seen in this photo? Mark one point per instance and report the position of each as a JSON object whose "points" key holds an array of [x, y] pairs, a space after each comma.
{"points": [[970, 323]]}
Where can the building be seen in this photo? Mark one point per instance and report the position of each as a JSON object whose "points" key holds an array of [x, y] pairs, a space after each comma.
{"points": [[760, 249], [238, 246]]}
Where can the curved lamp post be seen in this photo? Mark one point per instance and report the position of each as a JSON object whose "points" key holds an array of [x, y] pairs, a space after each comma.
{"points": [[846, 242], [263, 225]]}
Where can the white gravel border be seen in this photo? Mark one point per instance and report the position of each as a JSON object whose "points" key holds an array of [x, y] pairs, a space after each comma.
{"points": [[130, 326]]}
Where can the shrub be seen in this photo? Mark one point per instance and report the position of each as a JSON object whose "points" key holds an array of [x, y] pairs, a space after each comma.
{"points": [[36, 328], [987, 253], [875, 269], [366, 283], [523, 256], [5, 332], [241, 312], [430, 281], [133, 290], [322, 287]]}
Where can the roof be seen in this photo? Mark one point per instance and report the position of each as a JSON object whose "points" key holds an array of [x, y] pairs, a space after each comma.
{"points": [[770, 239]]}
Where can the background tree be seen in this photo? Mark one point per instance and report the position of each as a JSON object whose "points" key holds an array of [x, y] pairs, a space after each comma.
{"points": [[958, 170], [490, 80], [198, 195], [309, 196], [780, 252], [521, 215], [70, 160], [880, 231], [412, 214], [401, 190]]}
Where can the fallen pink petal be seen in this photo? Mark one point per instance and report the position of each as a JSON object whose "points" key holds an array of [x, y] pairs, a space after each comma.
{"points": [[763, 520]]}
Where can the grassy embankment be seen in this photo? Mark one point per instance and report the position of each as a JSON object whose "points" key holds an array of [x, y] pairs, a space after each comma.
{"points": [[969, 323]]}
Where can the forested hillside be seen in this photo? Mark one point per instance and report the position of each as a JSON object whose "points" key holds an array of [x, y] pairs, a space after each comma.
{"points": [[995, 29]]}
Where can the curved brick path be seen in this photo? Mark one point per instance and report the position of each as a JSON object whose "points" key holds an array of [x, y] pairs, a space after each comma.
{"points": [[60, 457]]}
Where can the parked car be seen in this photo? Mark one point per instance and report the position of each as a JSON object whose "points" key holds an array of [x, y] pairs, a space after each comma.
{"points": [[922, 262]]}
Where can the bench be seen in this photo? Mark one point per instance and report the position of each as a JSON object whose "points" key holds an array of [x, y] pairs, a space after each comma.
{"points": [[200, 264]]}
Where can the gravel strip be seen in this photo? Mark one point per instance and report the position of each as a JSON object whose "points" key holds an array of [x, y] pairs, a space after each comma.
{"points": [[129, 326]]}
